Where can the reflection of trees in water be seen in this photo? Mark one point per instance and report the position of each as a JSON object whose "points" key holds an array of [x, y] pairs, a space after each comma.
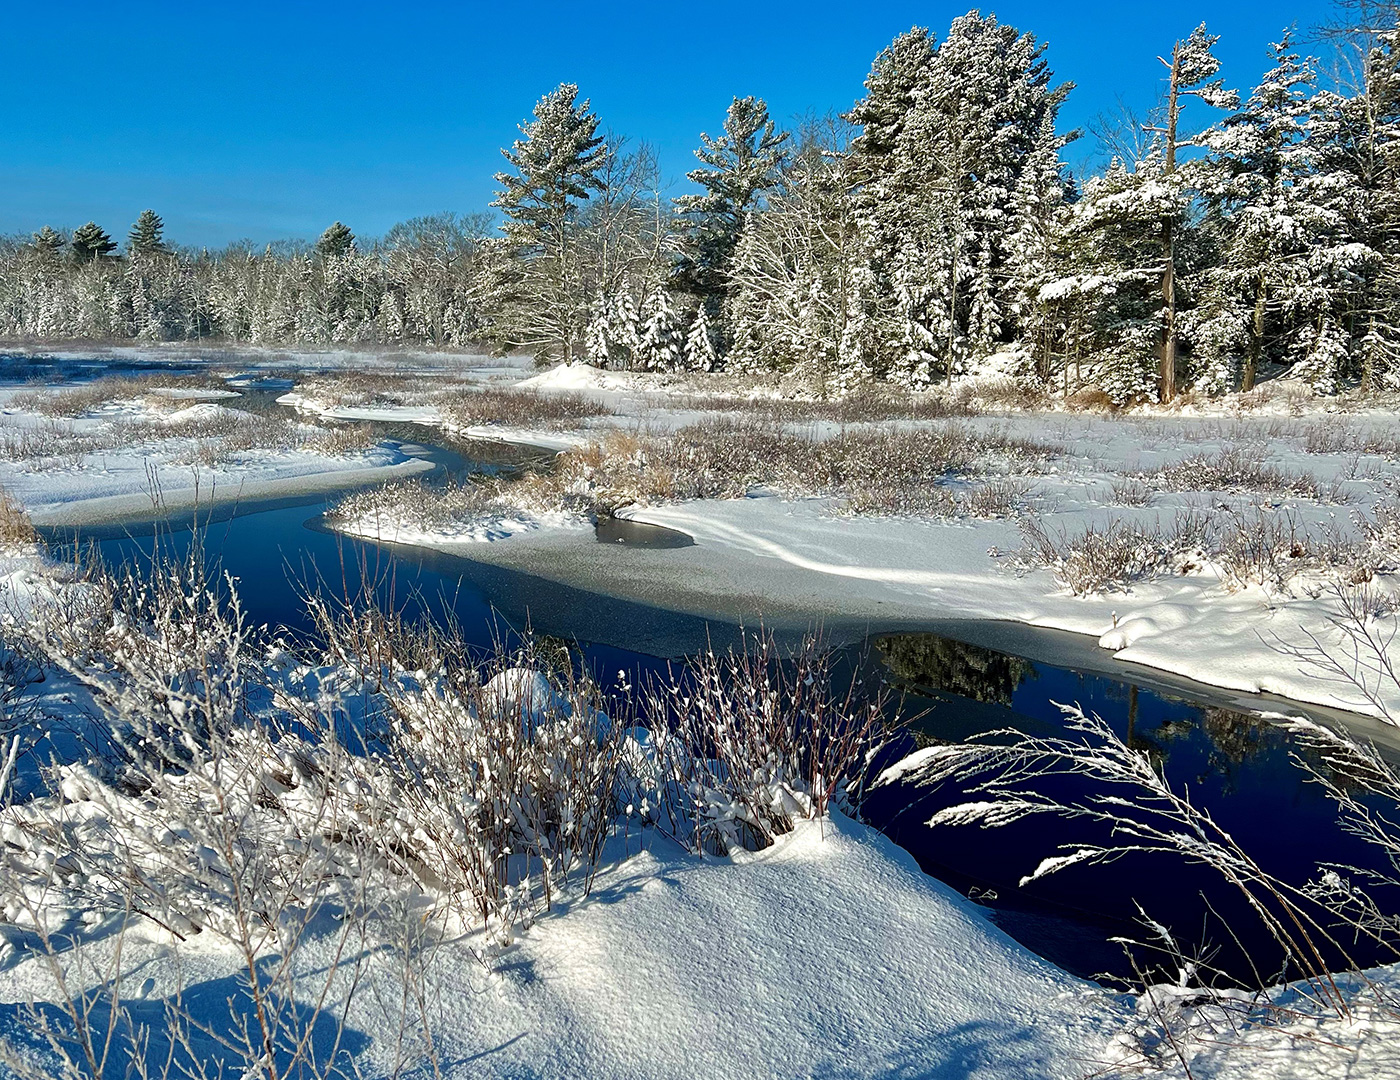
{"points": [[1233, 739], [930, 661]]}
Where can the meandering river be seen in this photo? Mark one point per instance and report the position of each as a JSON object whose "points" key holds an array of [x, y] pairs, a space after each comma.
{"points": [[1233, 762]]}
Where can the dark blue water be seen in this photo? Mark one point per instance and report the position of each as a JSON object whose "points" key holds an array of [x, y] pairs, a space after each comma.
{"points": [[1236, 765]]}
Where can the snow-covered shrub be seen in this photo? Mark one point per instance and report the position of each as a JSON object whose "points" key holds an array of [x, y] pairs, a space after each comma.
{"points": [[1234, 469], [870, 469], [519, 408], [192, 813], [742, 744], [1113, 556], [502, 769]]}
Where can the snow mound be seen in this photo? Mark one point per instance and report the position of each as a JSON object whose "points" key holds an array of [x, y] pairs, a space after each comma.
{"points": [[578, 377], [829, 954], [481, 529]]}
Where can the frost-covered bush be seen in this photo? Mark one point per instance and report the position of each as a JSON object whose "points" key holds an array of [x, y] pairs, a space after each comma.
{"points": [[1234, 469], [1114, 555], [519, 408], [870, 469], [740, 745], [502, 770]]}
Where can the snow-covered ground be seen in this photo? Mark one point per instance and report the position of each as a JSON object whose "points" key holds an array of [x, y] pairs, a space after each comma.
{"points": [[431, 416], [830, 954]]}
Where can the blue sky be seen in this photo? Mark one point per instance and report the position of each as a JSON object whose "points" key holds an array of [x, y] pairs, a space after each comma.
{"points": [[271, 120]]}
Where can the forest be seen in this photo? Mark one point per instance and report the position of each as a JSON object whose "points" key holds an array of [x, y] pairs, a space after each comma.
{"points": [[932, 233]]}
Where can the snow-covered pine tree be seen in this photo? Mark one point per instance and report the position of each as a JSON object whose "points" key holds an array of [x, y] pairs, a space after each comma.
{"points": [[663, 345], [91, 243], [625, 330], [1037, 256], [1353, 265], [792, 272], [739, 168], [947, 134], [336, 240], [555, 165], [49, 245], [1111, 299], [700, 352], [147, 235], [595, 337], [1254, 184]]}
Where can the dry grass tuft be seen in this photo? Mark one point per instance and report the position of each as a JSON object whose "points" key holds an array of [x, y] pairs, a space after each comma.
{"points": [[16, 530]]}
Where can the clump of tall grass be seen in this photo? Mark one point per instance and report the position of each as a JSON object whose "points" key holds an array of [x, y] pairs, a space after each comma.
{"points": [[1114, 555], [919, 471], [475, 407], [418, 506], [1234, 469], [868, 404], [16, 530], [1261, 546]]}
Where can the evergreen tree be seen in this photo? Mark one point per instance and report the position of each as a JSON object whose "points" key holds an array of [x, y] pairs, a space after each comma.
{"points": [[595, 337], [1352, 299], [556, 163], [337, 240], [663, 345], [1255, 184], [147, 235], [1111, 299], [90, 243], [792, 273], [625, 330], [1192, 69], [49, 245], [948, 135], [739, 169], [699, 346]]}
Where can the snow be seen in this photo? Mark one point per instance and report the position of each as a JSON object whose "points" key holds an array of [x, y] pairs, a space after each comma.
{"points": [[1199, 625], [575, 377], [402, 414], [87, 486], [121, 489], [431, 416], [1189, 625], [480, 529], [829, 954]]}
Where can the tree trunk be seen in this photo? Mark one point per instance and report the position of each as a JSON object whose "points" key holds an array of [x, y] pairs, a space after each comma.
{"points": [[1166, 389], [1256, 340]]}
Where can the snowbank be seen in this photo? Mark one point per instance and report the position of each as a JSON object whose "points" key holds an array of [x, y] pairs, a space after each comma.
{"points": [[829, 954], [1187, 625], [581, 377], [120, 488]]}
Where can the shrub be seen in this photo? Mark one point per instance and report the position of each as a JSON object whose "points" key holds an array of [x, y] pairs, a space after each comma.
{"points": [[16, 530]]}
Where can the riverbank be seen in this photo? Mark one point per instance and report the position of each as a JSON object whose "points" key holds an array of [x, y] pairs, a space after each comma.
{"points": [[1251, 550]]}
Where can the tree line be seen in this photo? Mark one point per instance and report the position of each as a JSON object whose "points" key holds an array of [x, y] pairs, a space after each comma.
{"points": [[933, 232]]}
